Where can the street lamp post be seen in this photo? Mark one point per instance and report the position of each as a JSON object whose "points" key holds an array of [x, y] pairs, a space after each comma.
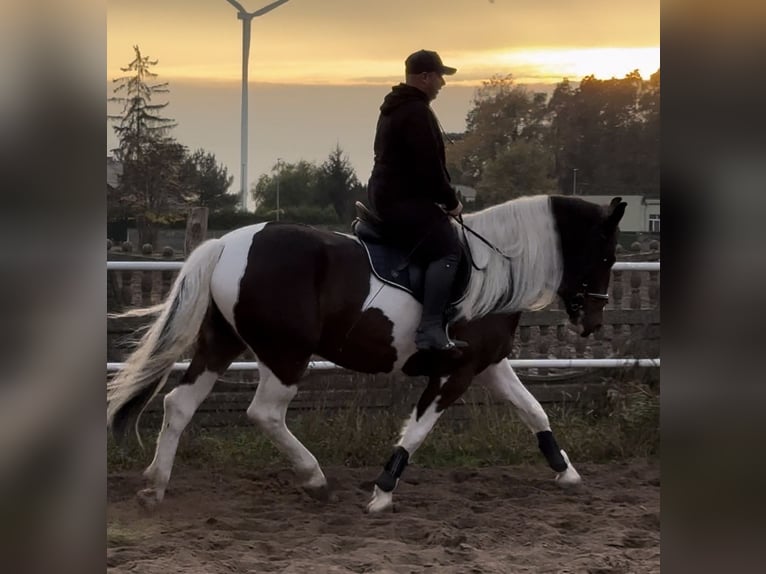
{"points": [[574, 181], [280, 162], [279, 179]]}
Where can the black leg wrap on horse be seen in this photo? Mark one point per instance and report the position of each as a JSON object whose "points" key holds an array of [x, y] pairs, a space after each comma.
{"points": [[551, 450], [393, 469]]}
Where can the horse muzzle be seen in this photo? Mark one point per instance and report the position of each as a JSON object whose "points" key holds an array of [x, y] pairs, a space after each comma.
{"points": [[589, 320]]}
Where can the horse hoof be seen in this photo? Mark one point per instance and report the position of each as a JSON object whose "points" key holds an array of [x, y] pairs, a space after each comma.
{"points": [[321, 493], [380, 501], [148, 498], [570, 477]]}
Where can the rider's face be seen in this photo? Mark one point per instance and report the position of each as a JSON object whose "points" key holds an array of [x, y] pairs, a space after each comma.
{"points": [[433, 82]]}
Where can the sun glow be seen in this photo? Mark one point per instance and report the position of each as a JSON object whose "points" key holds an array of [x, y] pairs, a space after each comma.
{"points": [[545, 65], [273, 64]]}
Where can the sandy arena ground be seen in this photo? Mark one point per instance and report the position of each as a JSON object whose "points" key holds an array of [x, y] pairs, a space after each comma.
{"points": [[503, 519]]}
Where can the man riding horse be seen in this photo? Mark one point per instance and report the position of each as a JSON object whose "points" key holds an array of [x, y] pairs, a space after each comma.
{"points": [[410, 181]]}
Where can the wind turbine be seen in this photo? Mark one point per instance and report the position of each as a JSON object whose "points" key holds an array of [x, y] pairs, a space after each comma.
{"points": [[247, 18]]}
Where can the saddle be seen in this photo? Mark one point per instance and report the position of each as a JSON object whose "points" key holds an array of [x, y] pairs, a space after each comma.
{"points": [[390, 262]]}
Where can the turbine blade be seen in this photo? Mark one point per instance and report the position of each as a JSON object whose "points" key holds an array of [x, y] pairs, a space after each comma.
{"points": [[237, 5], [267, 8]]}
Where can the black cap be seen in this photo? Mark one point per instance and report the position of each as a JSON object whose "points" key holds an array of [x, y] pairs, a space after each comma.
{"points": [[426, 61]]}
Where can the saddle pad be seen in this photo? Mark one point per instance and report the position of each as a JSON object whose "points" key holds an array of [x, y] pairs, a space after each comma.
{"points": [[390, 265]]}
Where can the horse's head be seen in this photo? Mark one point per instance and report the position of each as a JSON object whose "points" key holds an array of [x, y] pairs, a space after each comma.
{"points": [[588, 249]]}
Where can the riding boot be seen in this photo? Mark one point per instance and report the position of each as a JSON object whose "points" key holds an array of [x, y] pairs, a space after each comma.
{"points": [[431, 333]]}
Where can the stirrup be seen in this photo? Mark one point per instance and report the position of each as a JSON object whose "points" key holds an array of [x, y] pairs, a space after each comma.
{"points": [[448, 346], [425, 341]]}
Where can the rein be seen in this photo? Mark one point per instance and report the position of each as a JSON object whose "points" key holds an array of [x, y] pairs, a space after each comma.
{"points": [[579, 296], [459, 219]]}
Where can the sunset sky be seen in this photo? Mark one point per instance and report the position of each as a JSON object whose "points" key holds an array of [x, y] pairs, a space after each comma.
{"points": [[319, 68]]}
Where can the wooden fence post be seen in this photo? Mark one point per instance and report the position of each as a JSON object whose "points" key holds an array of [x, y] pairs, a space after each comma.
{"points": [[635, 290], [617, 290], [654, 289], [196, 229]]}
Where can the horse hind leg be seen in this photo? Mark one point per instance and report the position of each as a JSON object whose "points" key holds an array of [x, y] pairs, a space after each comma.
{"points": [[268, 410], [503, 382], [217, 347]]}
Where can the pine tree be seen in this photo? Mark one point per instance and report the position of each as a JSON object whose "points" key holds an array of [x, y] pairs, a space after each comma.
{"points": [[150, 187], [337, 184], [140, 123]]}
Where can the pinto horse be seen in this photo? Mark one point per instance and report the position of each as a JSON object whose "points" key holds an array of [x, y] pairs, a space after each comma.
{"points": [[289, 291]]}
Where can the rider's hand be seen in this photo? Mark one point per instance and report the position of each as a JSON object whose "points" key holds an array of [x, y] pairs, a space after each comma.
{"points": [[457, 211]]}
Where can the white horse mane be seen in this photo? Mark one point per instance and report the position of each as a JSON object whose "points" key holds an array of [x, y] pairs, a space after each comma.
{"points": [[524, 229]]}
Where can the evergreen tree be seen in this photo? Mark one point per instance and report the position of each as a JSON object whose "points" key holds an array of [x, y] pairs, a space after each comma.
{"points": [[140, 123], [150, 185], [337, 184], [206, 183]]}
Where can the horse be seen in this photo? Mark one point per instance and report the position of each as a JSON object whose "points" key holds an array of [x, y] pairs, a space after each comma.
{"points": [[289, 292]]}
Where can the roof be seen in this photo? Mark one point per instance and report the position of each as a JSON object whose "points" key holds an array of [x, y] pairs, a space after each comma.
{"points": [[466, 191]]}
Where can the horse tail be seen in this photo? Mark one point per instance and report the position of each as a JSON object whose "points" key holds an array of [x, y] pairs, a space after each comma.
{"points": [[180, 318]]}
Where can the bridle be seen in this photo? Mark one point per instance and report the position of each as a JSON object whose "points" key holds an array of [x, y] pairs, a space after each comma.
{"points": [[578, 299], [577, 302]]}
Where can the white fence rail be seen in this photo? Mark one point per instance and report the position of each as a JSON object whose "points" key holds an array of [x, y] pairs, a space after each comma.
{"points": [[176, 265], [516, 363], [326, 365]]}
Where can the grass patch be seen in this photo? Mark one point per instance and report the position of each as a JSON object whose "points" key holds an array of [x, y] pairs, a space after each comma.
{"points": [[119, 536], [624, 425]]}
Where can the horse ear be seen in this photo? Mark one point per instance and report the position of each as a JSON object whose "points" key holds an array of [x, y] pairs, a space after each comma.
{"points": [[614, 214]]}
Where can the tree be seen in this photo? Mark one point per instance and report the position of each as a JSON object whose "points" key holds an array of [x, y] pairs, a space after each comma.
{"points": [[337, 184], [505, 151], [140, 121], [297, 184], [151, 162], [523, 168], [152, 186], [649, 105], [206, 183], [609, 131]]}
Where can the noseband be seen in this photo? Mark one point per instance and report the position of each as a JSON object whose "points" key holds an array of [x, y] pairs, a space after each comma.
{"points": [[578, 300]]}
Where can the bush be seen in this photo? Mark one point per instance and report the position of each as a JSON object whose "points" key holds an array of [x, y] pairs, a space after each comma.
{"points": [[654, 245], [635, 246], [233, 220], [147, 249], [167, 251], [109, 244], [127, 247], [310, 214]]}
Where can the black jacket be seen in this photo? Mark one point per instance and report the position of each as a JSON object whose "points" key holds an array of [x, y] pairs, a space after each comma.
{"points": [[409, 153]]}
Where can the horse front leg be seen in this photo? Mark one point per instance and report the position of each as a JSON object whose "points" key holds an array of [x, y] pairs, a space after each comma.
{"points": [[438, 395], [503, 382]]}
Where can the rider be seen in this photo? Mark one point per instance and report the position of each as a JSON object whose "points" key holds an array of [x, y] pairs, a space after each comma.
{"points": [[410, 190]]}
